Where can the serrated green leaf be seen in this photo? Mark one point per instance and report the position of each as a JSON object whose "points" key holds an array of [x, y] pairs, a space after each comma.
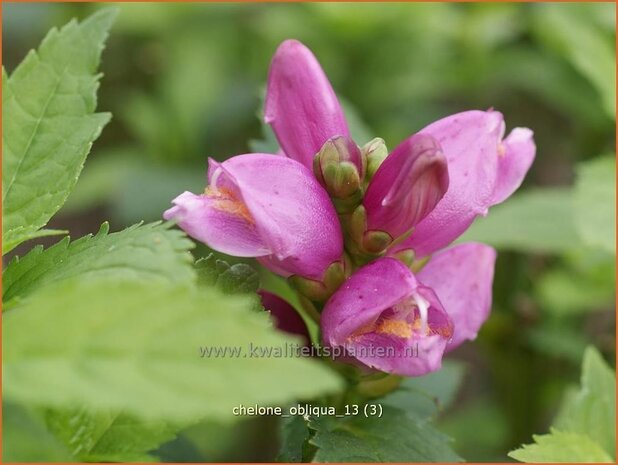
{"points": [[108, 436], [395, 437], [293, 434], [48, 106], [150, 252], [561, 447], [592, 410], [239, 278], [595, 202], [428, 395], [17, 237], [26, 439], [585, 429], [522, 223], [136, 347]]}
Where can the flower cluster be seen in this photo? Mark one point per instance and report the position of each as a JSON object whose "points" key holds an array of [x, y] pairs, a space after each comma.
{"points": [[361, 234]]}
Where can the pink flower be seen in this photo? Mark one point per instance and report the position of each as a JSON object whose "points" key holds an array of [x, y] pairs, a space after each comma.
{"points": [[471, 166], [388, 319], [409, 204], [484, 169], [265, 206], [461, 277]]}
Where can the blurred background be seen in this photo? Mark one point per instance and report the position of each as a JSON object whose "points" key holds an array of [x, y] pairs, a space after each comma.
{"points": [[185, 81]]}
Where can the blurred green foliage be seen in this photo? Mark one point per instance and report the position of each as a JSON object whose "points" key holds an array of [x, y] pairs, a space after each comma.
{"points": [[185, 81], [585, 428]]}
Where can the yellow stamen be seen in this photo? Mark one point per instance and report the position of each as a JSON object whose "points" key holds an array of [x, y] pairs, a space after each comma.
{"points": [[368, 328], [226, 200], [394, 327]]}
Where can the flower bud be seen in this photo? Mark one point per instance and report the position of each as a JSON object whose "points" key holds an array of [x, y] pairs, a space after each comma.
{"points": [[339, 167], [320, 290], [364, 245], [406, 187], [375, 152], [301, 105]]}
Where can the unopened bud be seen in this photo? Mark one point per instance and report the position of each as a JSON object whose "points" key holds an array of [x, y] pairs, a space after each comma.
{"points": [[407, 186], [375, 152], [369, 243], [405, 256], [340, 169], [376, 241], [320, 291]]}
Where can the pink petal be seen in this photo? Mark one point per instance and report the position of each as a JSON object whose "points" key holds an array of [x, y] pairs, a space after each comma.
{"points": [[291, 210], [207, 220], [366, 294], [407, 186], [301, 106], [262, 205], [470, 143], [413, 356], [462, 278], [373, 315], [514, 161]]}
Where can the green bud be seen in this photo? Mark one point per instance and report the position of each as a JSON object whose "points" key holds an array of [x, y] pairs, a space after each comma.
{"points": [[334, 276], [375, 152], [320, 291], [311, 289], [365, 244], [341, 179], [337, 166], [405, 256], [375, 242], [358, 224]]}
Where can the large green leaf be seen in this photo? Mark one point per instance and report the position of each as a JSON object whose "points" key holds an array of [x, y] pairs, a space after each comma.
{"points": [[293, 435], [151, 252], [238, 278], [585, 429], [49, 124], [108, 436], [595, 202], [140, 348], [25, 438], [592, 410], [539, 220], [561, 447], [397, 436], [415, 401]]}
